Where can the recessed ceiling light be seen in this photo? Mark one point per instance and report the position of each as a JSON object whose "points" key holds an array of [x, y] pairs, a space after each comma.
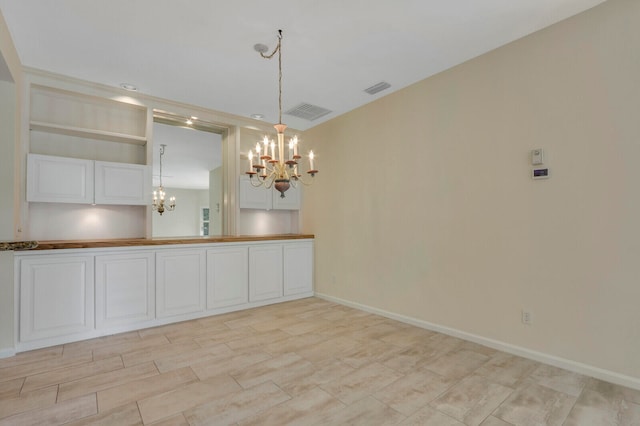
{"points": [[189, 122], [128, 86], [257, 116], [193, 117]]}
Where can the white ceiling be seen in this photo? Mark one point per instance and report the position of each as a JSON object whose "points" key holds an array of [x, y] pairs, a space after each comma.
{"points": [[201, 51]]}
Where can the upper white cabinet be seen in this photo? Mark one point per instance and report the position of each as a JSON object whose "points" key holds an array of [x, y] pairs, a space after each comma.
{"points": [[261, 198], [70, 180], [291, 200], [252, 197], [120, 183], [59, 179], [298, 268], [125, 288], [227, 276], [56, 296], [180, 282]]}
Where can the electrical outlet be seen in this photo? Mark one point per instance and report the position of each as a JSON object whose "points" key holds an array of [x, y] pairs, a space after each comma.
{"points": [[527, 317]]}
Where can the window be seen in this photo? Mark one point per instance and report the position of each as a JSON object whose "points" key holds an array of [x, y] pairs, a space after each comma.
{"points": [[204, 221]]}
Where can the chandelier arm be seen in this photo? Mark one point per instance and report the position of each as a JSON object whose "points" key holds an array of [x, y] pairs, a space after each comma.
{"points": [[256, 183], [302, 181]]}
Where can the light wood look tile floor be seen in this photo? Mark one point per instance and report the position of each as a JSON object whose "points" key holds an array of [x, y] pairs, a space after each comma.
{"points": [[305, 362]]}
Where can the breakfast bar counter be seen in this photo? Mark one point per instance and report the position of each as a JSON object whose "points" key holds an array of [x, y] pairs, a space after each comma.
{"points": [[132, 242]]}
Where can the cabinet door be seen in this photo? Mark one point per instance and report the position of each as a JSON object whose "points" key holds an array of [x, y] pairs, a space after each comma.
{"points": [[125, 288], [56, 296], [121, 183], [180, 282], [252, 197], [265, 272], [59, 180], [291, 200], [298, 268], [227, 276]]}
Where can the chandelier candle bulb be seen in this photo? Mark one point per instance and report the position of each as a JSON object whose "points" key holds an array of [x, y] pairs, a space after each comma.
{"points": [[250, 161], [295, 147], [266, 146], [311, 161]]}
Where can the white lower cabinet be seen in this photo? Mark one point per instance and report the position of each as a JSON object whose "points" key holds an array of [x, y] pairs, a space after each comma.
{"points": [[56, 296], [227, 276], [84, 293], [265, 272], [125, 288], [180, 282], [298, 268]]}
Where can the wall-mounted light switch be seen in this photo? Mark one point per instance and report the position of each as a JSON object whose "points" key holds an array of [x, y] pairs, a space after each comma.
{"points": [[537, 157]]}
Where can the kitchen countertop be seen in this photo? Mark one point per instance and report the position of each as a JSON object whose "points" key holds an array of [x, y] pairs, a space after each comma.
{"points": [[131, 242]]}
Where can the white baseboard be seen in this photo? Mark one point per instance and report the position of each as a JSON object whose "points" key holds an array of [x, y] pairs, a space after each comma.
{"points": [[7, 352], [576, 367]]}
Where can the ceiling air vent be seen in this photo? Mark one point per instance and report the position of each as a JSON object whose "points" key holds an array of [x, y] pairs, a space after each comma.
{"points": [[377, 88], [308, 111]]}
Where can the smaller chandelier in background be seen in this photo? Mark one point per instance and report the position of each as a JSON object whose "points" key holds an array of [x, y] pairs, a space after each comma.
{"points": [[159, 195], [278, 171]]}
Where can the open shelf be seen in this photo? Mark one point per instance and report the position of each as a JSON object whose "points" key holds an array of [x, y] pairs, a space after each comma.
{"points": [[87, 133]]}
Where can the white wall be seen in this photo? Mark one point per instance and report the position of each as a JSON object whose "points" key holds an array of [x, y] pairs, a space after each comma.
{"points": [[7, 170], [265, 222], [216, 200], [10, 103], [429, 210], [57, 221], [7, 156], [185, 219]]}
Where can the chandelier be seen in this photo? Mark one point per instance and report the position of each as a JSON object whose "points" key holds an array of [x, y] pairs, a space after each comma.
{"points": [[271, 170], [159, 195]]}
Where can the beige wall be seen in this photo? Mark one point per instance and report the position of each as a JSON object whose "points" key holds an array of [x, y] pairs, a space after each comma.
{"points": [[424, 206]]}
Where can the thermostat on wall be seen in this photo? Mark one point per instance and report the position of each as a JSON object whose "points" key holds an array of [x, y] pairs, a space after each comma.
{"points": [[540, 174]]}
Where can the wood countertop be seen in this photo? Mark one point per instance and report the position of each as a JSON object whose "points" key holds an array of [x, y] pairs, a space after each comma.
{"points": [[132, 242]]}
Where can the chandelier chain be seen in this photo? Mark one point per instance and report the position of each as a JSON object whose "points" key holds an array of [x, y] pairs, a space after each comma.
{"points": [[279, 52], [161, 154]]}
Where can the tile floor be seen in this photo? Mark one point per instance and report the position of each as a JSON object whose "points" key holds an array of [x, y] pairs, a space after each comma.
{"points": [[305, 362]]}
